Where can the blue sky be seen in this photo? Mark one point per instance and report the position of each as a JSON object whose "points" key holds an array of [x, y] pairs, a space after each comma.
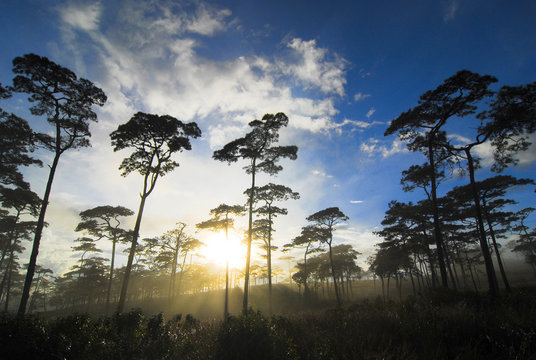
{"points": [[341, 70]]}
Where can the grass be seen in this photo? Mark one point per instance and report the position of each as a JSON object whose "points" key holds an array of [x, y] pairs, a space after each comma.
{"points": [[437, 325]]}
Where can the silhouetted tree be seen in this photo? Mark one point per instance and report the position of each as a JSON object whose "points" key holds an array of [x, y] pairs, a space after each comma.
{"points": [[19, 205], [526, 242], [456, 97], [310, 236], [16, 141], [257, 148], [221, 220], [103, 222], [267, 195], [327, 219], [66, 102], [175, 242], [86, 245], [491, 195], [154, 139], [513, 114]]}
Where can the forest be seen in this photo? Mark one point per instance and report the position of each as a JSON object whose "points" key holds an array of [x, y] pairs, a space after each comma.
{"points": [[438, 285]]}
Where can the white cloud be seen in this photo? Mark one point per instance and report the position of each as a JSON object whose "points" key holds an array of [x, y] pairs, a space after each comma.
{"points": [[313, 70], [82, 16], [359, 123], [370, 113], [372, 147], [356, 201], [321, 173], [360, 96], [208, 20], [161, 71]]}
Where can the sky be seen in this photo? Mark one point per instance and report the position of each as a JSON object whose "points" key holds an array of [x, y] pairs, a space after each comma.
{"points": [[340, 70]]}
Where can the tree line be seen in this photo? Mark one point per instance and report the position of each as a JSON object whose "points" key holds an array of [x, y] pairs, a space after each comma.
{"points": [[431, 239], [66, 102]]}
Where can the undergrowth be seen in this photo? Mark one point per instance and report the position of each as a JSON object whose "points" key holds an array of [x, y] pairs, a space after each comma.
{"points": [[438, 325]]}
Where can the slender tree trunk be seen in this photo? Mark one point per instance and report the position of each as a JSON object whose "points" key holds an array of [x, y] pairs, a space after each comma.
{"points": [[333, 274], [226, 303], [496, 247], [435, 210], [412, 283], [39, 231], [250, 237], [34, 293], [174, 271], [449, 267], [270, 263], [128, 269], [383, 288], [460, 261], [8, 288], [109, 291], [306, 274], [490, 271]]}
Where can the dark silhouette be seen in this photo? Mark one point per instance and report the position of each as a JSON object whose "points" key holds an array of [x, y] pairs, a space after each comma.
{"points": [[103, 222], [327, 219], [221, 220], [267, 195], [154, 139], [66, 102], [16, 141], [257, 148]]}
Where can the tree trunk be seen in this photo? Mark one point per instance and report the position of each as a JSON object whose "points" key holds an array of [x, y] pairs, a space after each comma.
{"points": [[496, 247], [39, 231], [128, 269], [8, 287], [435, 210], [333, 274], [490, 271], [250, 237], [226, 302], [109, 291], [269, 264]]}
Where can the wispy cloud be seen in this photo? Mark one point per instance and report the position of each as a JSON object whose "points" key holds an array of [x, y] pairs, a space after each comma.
{"points": [[356, 124], [314, 69], [370, 113], [356, 201], [360, 96], [208, 20], [372, 147], [82, 16], [321, 173], [450, 9]]}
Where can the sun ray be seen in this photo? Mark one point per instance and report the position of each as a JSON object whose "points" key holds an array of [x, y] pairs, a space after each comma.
{"points": [[217, 249]]}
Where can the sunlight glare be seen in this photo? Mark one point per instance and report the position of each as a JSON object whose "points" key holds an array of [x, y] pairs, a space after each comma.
{"points": [[217, 250]]}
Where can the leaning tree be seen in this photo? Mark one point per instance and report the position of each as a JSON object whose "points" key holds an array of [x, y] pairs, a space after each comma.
{"points": [[66, 102], [257, 147], [154, 139]]}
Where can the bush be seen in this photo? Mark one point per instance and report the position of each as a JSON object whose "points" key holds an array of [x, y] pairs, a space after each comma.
{"points": [[441, 325]]}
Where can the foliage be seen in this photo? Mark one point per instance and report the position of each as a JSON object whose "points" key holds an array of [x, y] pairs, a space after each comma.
{"points": [[437, 325], [66, 102], [154, 140]]}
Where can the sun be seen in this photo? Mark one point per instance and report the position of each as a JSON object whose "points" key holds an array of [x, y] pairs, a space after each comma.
{"points": [[217, 249]]}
